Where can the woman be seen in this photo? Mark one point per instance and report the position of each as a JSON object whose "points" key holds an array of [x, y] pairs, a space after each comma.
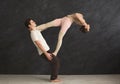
{"points": [[65, 23]]}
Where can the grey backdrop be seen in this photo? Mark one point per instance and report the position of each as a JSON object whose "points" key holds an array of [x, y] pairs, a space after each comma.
{"points": [[96, 52]]}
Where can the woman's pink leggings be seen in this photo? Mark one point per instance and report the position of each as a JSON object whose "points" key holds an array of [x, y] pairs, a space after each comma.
{"points": [[64, 22]]}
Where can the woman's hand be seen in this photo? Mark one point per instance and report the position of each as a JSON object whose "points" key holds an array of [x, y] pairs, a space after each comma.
{"points": [[87, 27]]}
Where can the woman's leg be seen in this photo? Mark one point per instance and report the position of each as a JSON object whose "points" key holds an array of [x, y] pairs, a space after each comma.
{"points": [[65, 25], [54, 23]]}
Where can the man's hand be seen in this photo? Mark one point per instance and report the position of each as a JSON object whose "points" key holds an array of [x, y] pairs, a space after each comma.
{"points": [[49, 56]]}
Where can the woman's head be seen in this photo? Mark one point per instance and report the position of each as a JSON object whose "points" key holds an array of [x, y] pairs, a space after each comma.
{"points": [[85, 29], [82, 29]]}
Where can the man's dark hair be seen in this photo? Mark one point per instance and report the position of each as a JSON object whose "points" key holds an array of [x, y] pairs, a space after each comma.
{"points": [[27, 22], [82, 29]]}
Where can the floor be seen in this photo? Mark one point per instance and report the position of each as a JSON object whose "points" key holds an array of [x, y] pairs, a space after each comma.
{"points": [[65, 79]]}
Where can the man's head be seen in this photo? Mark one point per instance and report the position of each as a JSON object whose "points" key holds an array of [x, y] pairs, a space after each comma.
{"points": [[30, 23]]}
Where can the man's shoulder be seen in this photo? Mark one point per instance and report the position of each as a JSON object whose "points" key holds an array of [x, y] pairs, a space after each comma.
{"points": [[33, 32]]}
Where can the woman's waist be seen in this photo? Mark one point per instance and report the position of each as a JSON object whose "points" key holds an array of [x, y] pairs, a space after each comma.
{"points": [[69, 17]]}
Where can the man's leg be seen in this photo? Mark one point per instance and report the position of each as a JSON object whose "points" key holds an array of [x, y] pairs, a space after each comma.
{"points": [[55, 64]]}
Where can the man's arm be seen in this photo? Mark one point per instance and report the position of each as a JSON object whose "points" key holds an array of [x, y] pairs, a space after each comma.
{"points": [[48, 55]]}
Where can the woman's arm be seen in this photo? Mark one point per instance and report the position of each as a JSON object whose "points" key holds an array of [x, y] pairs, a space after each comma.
{"points": [[82, 21]]}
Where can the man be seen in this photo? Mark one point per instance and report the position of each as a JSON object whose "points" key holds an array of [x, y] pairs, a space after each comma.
{"points": [[43, 48]]}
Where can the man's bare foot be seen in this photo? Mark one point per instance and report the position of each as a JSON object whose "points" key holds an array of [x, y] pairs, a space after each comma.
{"points": [[56, 80]]}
